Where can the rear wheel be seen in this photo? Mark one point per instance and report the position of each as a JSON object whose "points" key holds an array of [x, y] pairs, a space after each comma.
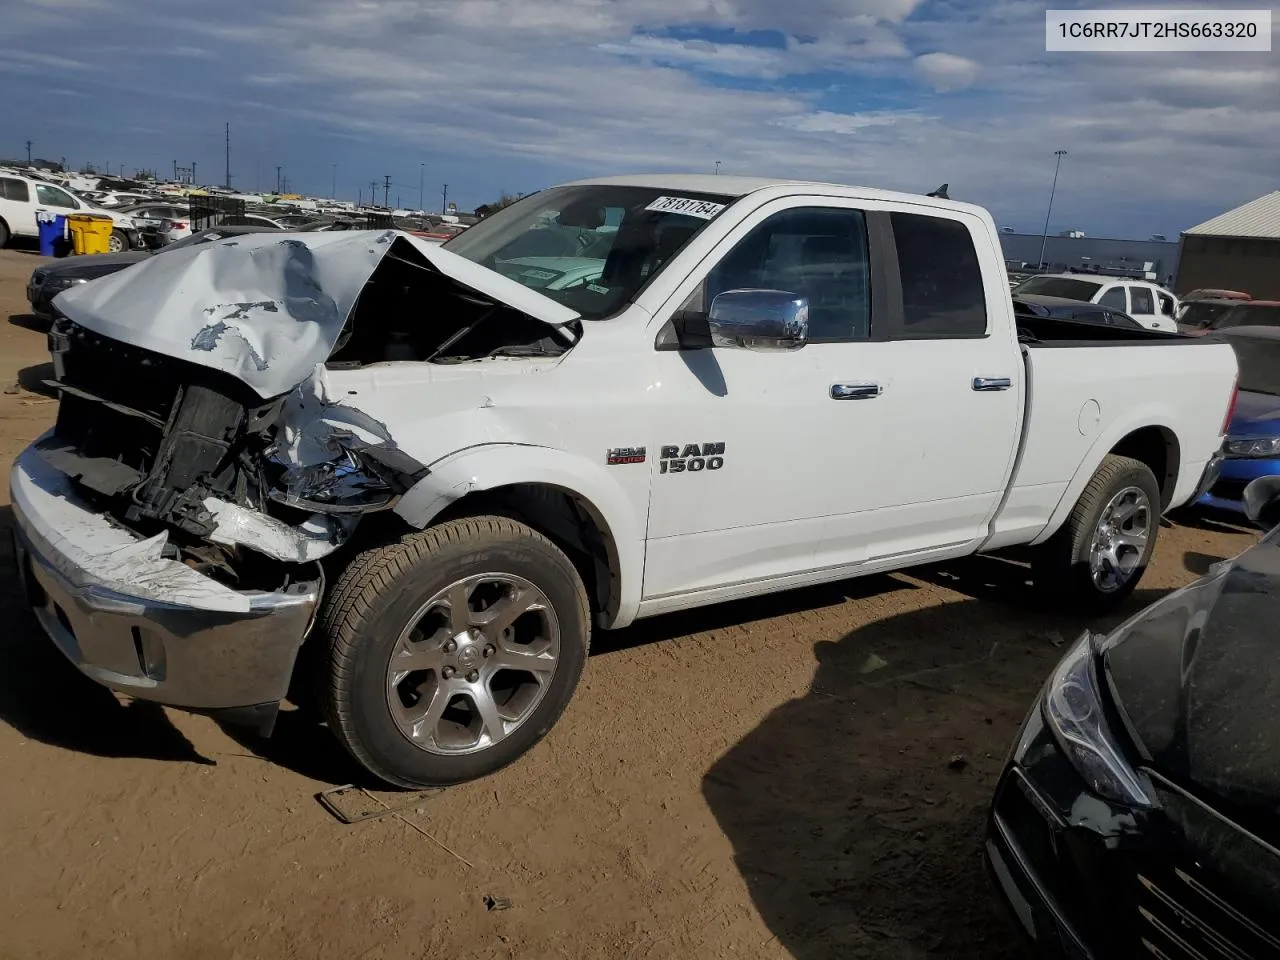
{"points": [[1096, 560], [4, 234], [118, 242], [450, 653]]}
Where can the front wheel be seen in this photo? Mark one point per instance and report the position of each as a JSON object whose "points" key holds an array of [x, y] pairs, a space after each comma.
{"points": [[1096, 560], [118, 242], [453, 651]]}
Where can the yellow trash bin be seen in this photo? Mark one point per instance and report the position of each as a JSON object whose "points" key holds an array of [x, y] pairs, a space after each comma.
{"points": [[89, 234]]}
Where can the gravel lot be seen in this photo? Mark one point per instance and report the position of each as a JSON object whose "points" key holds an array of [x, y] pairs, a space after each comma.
{"points": [[770, 779]]}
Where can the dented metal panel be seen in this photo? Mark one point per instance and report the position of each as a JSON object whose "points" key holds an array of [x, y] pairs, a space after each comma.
{"points": [[268, 308]]}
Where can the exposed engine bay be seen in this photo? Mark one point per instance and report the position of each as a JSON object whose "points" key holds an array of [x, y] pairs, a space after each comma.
{"points": [[166, 444]]}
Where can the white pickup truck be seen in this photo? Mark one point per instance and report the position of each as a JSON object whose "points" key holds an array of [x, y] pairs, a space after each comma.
{"points": [[419, 475]]}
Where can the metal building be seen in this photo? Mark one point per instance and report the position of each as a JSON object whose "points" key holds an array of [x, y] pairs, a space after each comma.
{"points": [[1236, 250]]}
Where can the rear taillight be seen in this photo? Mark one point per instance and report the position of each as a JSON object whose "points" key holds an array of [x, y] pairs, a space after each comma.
{"points": [[1231, 408], [178, 225]]}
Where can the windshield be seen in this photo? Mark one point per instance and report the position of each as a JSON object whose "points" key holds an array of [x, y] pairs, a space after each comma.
{"points": [[1259, 361], [1248, 316], [619, 237], [1067, 287], [1202, 314]]}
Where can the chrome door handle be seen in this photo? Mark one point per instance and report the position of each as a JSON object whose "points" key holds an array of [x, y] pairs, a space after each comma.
{"points": [[855, 391], [988, 384]]}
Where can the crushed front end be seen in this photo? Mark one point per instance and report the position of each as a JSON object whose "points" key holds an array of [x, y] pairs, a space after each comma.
{"points": [[168, 541]]}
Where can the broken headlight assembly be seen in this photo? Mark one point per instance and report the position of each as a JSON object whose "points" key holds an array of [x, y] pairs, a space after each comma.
{"points": [[355, 481], [1073, 710]]}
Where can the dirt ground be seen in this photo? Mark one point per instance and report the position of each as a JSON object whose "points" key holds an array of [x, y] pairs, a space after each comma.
{"points": [[735, 782]]}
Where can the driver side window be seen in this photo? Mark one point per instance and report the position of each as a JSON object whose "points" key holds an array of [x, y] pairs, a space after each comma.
{"points": [[53, 197], [819, 253]]}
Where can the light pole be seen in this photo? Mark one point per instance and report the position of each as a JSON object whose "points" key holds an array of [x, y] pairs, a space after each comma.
{"points": [[717, 168], [422, 172], [444, 200], [1059, 154], [333, 187]]}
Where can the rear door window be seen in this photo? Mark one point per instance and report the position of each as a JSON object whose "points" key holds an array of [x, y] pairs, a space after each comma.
{"points": [[11, 189], [1141, 300], [1114, 298], [942, 289]]}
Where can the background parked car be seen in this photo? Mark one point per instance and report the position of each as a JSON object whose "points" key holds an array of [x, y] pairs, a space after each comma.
{"points": [[1252, 313], [1137, 814], [1152, 306], [1212, 293], [1195, 316], [1252, 447], [149, 216], [22, 197]]}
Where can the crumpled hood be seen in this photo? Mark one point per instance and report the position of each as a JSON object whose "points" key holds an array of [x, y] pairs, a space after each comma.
{"points": [[267, 307], [1196, 677]]}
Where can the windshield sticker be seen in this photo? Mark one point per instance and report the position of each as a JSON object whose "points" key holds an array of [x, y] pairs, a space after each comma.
{"points": [[537, 274], [596, 288], [703, 209]]}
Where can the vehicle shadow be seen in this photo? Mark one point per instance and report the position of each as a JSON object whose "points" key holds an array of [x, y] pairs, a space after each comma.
{"points": [[32, 379], [29, 321], [857, 812], [1214, 521], [738, 612], [1199, 563], [45, 698]]}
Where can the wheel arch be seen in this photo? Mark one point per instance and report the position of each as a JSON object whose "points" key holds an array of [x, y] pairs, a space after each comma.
{"points": [[572, 502], [1142, 437]]}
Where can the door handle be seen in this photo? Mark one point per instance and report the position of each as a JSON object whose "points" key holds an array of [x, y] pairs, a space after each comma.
{"points": [[989, 384], [856, 391]]}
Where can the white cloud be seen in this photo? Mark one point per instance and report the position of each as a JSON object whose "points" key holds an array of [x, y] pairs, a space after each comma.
{"points": [[595, 86], [946, 71]]}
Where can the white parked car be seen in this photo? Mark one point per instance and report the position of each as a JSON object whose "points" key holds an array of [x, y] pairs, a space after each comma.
{"points": [[21, 198], [769, 385], [1150, 304]]}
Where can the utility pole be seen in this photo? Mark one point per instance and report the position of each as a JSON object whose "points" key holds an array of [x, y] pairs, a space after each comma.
{"points": [[444, 200], [386, 191], [228, 140], [717, 168], [278, 181], [373, 193], [1059, 154], [334, 186], [422, 171], [175, 170], [28, 153], [193, 172]]}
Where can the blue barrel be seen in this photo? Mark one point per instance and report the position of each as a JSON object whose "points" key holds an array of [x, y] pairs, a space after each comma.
{"points": [[53, 233]]}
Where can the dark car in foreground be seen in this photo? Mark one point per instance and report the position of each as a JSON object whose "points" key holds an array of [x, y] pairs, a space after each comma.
{"points": [[1252, 447], [1138, 814]]}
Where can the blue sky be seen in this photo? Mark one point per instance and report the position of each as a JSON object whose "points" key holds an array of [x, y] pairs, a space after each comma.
{"points": [[492, 95]]}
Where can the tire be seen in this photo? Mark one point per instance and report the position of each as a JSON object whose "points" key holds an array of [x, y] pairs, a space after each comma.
{"points": [[1064, 567], [376, 602], [119, 242], [4, 234]]}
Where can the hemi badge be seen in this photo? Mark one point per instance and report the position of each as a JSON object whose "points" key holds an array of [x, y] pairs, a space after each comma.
{"points": [[621, 455]]}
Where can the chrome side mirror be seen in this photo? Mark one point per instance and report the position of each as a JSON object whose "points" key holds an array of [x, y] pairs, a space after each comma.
{"points": [[759, 320], [1262, 501]]}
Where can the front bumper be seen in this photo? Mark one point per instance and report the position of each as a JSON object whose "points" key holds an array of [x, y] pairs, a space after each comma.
{"points": [[41, 297], [140, 623], [1226, 491]]}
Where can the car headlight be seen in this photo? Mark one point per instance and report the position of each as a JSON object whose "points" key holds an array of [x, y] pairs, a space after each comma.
{"points": [[1073, 710], [1260, 447]]}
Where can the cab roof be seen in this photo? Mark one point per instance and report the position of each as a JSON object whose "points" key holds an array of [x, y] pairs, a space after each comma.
{"points": [[738, 187]]}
